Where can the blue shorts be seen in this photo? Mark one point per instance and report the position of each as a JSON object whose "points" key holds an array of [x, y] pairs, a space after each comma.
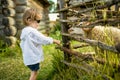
{"points": [[34, 67]]}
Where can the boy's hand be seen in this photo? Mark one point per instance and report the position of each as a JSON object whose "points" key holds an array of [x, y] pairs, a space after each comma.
{"points": [[56, 42]]}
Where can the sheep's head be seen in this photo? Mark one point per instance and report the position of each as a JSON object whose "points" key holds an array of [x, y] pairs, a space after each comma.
{"points": [[76, 31]]}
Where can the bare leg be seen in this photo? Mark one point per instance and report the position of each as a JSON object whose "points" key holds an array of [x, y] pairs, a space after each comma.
{"points": [[33, 75]]}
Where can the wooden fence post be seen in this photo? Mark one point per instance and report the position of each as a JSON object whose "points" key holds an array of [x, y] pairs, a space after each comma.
{"points": [[64, 29], [116, 7]]}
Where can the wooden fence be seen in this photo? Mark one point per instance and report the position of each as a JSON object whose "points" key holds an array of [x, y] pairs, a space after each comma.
{"points": [[72, 12]]}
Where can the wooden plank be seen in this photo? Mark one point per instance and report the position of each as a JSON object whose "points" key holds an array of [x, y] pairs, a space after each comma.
{"points": [[20, 2], [11, 40], [8, 21], [10, 30], [19, 25], [1, 16], [2, 35], [7, 4], [20, 9], [18, 17]]}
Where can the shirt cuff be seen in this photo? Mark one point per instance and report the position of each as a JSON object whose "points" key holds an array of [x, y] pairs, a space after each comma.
{"points": [[51, 40]]}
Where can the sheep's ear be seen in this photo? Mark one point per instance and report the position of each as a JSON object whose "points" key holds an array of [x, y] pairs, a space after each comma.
{"points": [[87, 29]]}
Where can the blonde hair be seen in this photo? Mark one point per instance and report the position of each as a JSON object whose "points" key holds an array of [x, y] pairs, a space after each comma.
{"points": [[31, 14]]}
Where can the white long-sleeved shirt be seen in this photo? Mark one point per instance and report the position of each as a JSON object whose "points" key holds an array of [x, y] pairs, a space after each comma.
{"points": [[31, 45]]}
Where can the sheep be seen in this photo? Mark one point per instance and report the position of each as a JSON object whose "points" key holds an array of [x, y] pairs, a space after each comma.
{"points": [[109, 35]]}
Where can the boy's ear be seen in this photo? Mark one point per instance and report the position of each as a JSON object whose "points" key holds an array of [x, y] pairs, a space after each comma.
{"points": [[29, 20]]}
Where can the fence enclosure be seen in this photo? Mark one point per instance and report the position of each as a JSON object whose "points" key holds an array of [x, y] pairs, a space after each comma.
{"points": [[87, 14]]}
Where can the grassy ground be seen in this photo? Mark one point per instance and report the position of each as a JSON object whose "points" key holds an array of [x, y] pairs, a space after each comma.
{"points": [[12, 67]]}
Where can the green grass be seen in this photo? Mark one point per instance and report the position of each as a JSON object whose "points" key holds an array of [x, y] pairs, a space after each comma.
{"points": [[12, 67]]}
